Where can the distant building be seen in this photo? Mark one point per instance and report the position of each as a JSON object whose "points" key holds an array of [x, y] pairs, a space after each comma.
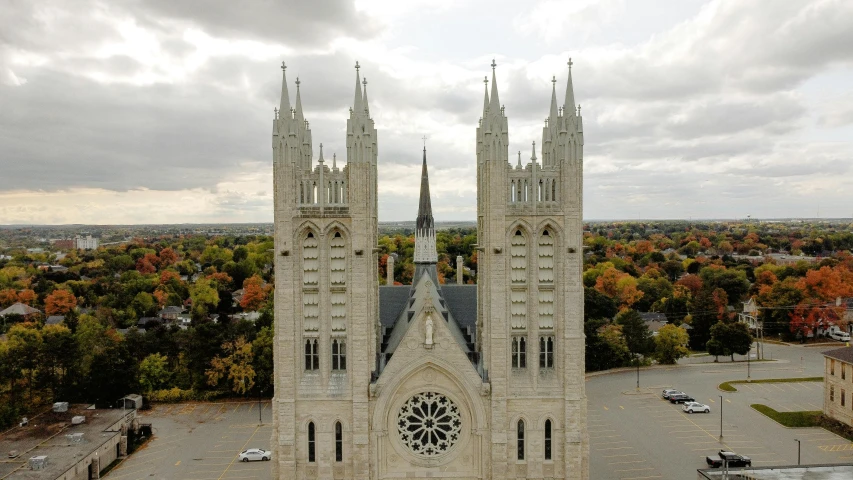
{"points": [[785, 472], [54, 320], [89, 441], [19, 309], [86, 243], [838, 385]]}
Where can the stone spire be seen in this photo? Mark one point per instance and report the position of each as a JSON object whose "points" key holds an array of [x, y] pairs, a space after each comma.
{"points": [[424, 226], [486, 96], [532, 156], [284, 107], [358, 103], [553, 117], [366, 106], [494, 101], [569, 103], [299, 115]]}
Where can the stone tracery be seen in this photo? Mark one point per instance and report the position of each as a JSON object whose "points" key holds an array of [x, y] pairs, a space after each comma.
{"points": [[429, 424]]}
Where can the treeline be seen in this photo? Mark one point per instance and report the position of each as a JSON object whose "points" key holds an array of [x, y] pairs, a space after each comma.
{"points": [[95, 352], [694, 275]]}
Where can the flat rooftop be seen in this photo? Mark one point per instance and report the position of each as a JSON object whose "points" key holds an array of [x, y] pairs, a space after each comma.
{"points": [[795, 472], [47, 435]]}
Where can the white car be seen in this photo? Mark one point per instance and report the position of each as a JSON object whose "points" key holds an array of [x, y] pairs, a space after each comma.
{"points": [[254, 454], [693, 407], [840, 336]]}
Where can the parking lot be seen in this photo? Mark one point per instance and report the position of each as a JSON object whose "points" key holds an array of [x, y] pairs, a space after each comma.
{"points": [[634, 434], [200, 441], [637, 435]]}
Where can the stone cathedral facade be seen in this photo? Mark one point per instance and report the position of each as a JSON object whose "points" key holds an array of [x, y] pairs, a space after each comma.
{"points": [[429, 380]]}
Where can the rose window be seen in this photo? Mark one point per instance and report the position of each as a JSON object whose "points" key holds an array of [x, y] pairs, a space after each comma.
{"points": [[429, 424]]}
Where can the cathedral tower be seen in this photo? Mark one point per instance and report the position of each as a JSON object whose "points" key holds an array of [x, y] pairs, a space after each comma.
{"points": [[325, 297], [530, 297]]}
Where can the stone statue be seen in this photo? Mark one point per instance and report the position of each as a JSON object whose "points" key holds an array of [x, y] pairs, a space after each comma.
{"points": [[428, 330]]}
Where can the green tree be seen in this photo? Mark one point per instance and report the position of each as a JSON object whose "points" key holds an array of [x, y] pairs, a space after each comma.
{"points": [[205, 298], [262, 363], [729, 339], [638, 338], [154, 372], [670, 344], [703, 316]]}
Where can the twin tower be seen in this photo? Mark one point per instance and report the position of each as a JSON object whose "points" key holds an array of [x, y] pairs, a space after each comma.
{"points": [[429, 380]]}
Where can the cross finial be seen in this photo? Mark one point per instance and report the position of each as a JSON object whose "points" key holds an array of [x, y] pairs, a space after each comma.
{"points": [[297, 83], [494, 64], [364, 82], [357, 66], [276, 112], [570, 63], [579, 109], [424, 138], [561, 110], [554, 80], [546, 122], [283, 66], [485, 79]]}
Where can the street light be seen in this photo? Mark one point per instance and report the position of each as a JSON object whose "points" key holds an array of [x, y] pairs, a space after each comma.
{"points": [[748, 355], [721, 418], [638, 372], [798, 450]]}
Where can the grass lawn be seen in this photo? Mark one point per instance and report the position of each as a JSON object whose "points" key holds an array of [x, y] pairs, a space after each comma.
{"points": [[729, 386], [791, 419], [806, 419]]}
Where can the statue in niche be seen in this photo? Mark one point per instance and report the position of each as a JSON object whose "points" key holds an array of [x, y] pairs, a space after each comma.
{"points": [[429, 326]]}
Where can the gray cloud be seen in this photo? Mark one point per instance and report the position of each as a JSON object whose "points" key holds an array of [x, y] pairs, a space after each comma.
{"points": [[290, 22]]}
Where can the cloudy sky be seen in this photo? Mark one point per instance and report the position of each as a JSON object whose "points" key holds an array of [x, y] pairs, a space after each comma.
{"points": [[157, 111]]}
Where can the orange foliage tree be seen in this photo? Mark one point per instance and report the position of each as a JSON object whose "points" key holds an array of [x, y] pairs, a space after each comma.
{"points": [[167, 257], [59, 302], [27, 296], [254, 293], [619, 286], [821, 288], [8, 296]]}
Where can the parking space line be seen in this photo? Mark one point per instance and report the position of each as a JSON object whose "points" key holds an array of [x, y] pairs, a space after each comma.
{"points": [[623, 455]]}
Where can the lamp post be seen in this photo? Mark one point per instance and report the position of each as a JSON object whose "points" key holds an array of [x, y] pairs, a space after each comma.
{"points": [[748, 355], [721, 418], [798, 450], [260, 422], [638, 372]]}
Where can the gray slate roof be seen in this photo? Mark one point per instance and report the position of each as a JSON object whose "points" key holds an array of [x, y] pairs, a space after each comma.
{"points": [[19, 309], [845, 354]]}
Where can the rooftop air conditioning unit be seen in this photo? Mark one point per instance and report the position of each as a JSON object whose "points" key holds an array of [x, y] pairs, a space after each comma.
{"points": [[38, 463]]}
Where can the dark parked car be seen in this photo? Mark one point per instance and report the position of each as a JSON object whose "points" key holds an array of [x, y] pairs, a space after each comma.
{"points": [[681, 398], [734, 460]]}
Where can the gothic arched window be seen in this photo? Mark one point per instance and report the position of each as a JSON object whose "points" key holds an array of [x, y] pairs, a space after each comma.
{"points": [[312, 453], [548, 439], [339, 442], [520, 439]]}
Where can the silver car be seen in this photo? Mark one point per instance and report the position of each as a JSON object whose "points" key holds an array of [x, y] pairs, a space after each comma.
{"points": [[253, 454]]}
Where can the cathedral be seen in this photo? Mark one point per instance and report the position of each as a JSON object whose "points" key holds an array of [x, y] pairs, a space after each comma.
{"points": [[429, 380]]}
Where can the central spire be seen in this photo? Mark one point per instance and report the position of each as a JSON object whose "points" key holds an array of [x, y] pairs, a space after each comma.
{"points": [[425, 251]]}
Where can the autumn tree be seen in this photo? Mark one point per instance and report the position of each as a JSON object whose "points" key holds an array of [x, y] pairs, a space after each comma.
{"points": [[59, 302], [27, 296], [671, 344], [619, 286], [254, 294], [167, 257], [235, 367], [204, 296], [8, 296]]}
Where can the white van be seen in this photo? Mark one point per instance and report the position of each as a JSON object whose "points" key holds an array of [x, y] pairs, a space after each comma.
{"points": [[840, 336]]}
